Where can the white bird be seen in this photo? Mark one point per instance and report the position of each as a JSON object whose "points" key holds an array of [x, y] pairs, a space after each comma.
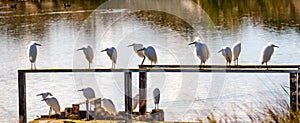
{"points": [[135, 101], [156, 97], [33, 53], [89, 54], [109, 106], [227, 53], [236, 50], [266, 53], [136, 48], [51, 102], [88, 93], [150, 53], [112, 53], [201, 50]]}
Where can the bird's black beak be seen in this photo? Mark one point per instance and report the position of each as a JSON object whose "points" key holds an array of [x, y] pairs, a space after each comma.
{"points": [[141, 49], [276, 46], [79, 49], [80, 90], [38, 44], [220, 51], [43, 99], [192, 43], [104, 50], [39, 95], [130, 45]]}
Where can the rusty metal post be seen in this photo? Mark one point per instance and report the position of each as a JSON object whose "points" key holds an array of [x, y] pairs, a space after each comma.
{"points": [[143, 93], [87, 109], [128, 95], [293, 91], [22, 96]]}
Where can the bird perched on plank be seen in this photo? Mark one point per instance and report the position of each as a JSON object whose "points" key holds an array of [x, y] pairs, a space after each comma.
{"points": [[156, 98], [150, 53], [32, 51], [112, 54], [137, 47], [52, 102], [266, 53], [89, 54], [236, 50], [201, 50], [227, 53]]}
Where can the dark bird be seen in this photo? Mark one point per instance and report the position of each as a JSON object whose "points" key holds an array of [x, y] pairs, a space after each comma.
{"points": [[66, 5], [13, 6]]}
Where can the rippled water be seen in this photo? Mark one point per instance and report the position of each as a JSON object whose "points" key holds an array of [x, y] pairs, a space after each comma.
{"points": [[185, 96]]}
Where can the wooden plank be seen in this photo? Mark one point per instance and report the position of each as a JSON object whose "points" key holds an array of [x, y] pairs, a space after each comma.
{"points": [[218, 66], [143, 93], [22, 97], [214, 70], [128, 95]]}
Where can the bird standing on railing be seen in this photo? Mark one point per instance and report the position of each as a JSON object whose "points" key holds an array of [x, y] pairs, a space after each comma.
{"points": [[236, 50], [112, 53], [33, 53], [156, 98], [88, 93], [150, 53], [66, 5], [201, 50], [109, 106], [137, 47], [266, 53], [52, 102], [135, 101], [227, 53], [89, 54]]}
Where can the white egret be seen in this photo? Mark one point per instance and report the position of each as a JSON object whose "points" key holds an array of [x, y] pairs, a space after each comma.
{"points": [[109, 106], [227, 53], [33, 53], [51, 102], [135, 101], [201, 50], [236, 50], [88, 93], [156, 97], [266, 53], [89, 54], [112, 53], [136, 48], [150, 53]]}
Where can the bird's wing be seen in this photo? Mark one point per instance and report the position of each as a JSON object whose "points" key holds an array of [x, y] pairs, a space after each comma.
{"points": [[206, 51], [32, 53], [112, 53], [89, 93], [151, 54], [156, 95], [266, 54], [89, 54], [137, 47], [228, 54], [53, 103], [236, 50], [109, 106]]}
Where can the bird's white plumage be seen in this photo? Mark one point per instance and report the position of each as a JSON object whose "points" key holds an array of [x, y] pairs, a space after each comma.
{"points": [[266, 53], [135, 101], [236, 50], [45, 95], [156, 97], [89, 54], [150, 53], [88, 93], [53, 103], [201, 50], [109, 106], [137, 47], [227, 53], [32, 51], [112, 54]]}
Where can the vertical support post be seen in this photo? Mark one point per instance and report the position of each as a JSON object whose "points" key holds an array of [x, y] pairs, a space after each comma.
{"points": [[87, 109], [22, 96], [143, 93], [294, 91], [128, 95]]}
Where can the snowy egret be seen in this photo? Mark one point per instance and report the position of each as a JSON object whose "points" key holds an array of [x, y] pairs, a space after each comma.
{"points": [[89, 54], [33, 53], [201, 50], [156, 97], [137, 47], [135, 101], [266, 53], [236, 50], [150, 54], [112, 53], [109, 106], [226, 52], [88, 93], [51, 102]]}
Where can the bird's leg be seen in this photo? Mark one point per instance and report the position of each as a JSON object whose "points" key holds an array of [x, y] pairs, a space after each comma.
{"points": [[34, 66], [237, 61], [158, 106], [143, 60], [89, 65], [267, 65], [50, 110], [112, 64]]}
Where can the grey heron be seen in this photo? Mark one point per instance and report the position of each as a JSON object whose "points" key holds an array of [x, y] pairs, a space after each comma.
{"points": [[112, 54], [89, 54], [156, 97], [33, 53]]}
